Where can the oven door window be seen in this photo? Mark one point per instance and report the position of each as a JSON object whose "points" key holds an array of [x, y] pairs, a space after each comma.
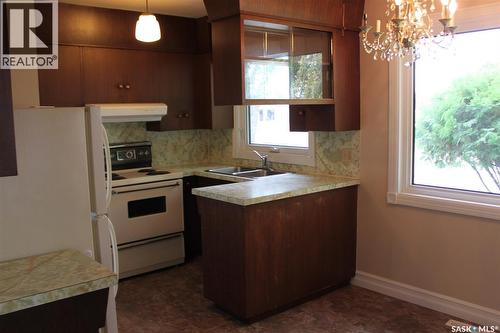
{"points": [[144, 207]]}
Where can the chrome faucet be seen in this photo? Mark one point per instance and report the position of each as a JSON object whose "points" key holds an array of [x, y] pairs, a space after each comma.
{"points": [[264, 161]]}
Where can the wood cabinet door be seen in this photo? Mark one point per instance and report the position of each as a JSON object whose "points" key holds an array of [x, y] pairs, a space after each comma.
{"points": [[118, 76], [140, 76], [346, 80], [174, 78], [62, 87], [305, 118], [103, 73], [203, 91]]}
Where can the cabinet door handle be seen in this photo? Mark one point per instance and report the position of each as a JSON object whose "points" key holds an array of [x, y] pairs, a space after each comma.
{"points": [[302, 113], [186, 115], [120, 86], [127, 86], [180, 115]]}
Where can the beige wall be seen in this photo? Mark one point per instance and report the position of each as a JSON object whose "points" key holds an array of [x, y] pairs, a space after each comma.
{"points": [[454, 255]]}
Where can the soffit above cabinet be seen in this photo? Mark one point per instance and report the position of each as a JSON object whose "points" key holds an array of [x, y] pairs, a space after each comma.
{"points": [[331, 13], [185, 8]]}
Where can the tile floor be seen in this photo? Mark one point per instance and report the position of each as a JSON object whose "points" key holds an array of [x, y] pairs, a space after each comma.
{"points": [[172, 301]]}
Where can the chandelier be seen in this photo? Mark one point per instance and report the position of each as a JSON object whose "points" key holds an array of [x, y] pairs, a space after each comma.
{"points": [[409, 29]]}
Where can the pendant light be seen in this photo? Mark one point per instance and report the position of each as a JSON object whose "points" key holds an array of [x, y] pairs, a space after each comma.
{"points": [[147, 28]]}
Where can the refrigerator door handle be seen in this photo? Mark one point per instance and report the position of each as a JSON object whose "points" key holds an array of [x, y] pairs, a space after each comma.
{"points": [[109, 172], [114, 247]]}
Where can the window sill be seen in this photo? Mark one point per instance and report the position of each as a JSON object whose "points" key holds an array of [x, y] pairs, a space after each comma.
{"points": [[438, 203]]}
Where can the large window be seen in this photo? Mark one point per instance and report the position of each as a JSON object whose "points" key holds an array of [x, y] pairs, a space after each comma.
{"points": [[457, 116], [445, 123]]}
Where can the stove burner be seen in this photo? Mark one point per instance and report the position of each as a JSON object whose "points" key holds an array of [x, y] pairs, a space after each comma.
{"points": [[157, 172], [115, 176]]}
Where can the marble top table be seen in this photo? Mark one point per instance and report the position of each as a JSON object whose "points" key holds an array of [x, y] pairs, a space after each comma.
{"points": [[37, 280]]}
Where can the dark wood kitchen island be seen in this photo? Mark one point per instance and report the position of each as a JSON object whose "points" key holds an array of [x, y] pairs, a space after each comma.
{"points": [[277, 241]]}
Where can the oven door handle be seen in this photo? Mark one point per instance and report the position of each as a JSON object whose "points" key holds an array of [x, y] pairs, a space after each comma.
{"points": [[124, 190]]}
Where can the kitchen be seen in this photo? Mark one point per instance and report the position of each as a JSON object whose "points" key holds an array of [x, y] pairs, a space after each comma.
{"points": [[209, 235]]}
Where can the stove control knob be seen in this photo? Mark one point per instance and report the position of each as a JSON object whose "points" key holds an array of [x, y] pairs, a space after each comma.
{"points": [[129, 154]]}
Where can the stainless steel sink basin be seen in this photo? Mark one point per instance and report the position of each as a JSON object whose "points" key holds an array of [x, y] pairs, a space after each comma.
{"points": [[259, 173], [232, 171], [245, 172]]}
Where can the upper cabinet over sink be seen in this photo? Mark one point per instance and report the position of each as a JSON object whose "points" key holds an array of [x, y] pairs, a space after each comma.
{"points": [[261, 61], [299, 53], [283, 64]]}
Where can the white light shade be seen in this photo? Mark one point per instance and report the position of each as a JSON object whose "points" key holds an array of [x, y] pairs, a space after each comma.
{"points": [[147, 28]]}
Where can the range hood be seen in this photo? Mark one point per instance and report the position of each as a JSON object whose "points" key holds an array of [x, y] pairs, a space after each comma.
{"points": [[131, 112]]}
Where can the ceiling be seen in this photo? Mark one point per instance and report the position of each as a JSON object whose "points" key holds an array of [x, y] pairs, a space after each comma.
{"points": [[186, 8]]}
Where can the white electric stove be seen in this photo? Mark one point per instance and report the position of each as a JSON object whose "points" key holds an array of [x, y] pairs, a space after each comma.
{"points": [[146, 210]]}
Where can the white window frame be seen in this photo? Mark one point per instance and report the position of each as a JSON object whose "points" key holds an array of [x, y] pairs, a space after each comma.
{"points": [[279, 154], [400, 188]]}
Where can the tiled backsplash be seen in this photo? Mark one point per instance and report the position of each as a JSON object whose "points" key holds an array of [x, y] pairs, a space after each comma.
{"points": [[337, 153]]}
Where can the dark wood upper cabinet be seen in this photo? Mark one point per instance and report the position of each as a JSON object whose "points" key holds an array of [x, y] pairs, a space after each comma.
{"points": [[331, 13], [318, 41], [259, 61], [119, 76], [112, 28], [344, 114], [194, 79], [101, 62], [8, 163], [63, 86], [283, 63], [174, 80]]}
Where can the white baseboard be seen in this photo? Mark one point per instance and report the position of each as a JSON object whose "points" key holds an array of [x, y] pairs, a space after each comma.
{"points": [[449, 305]]}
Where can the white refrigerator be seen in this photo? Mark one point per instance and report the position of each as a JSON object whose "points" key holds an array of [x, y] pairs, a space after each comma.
{"points": [[60, 197]]}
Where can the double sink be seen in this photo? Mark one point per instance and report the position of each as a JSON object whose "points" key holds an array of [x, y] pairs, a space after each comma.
{"points": [[245, 172]]}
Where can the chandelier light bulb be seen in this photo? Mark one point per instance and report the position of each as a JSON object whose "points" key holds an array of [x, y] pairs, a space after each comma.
{"points": [[453, 7], [398, 2], [445, 2]]}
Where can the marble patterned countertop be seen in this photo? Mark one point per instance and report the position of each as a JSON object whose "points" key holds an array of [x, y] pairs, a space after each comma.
{"points": [[50, 277], [201, 170], [248, 191], [272, 188]]}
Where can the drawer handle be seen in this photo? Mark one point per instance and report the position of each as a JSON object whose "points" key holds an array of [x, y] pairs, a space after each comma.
{"points": [[114, 192], [147, 241]]}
